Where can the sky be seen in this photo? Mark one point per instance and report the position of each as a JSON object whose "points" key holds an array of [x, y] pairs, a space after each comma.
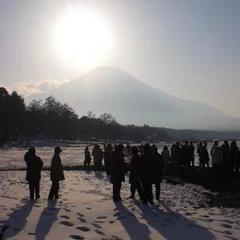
{"points": [[188, 48]]}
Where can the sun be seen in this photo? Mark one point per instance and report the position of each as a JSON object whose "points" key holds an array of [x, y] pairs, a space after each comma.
{"points": [[82, 38]]}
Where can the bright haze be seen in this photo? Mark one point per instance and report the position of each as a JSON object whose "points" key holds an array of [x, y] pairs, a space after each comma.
{"points": [[169, 63]]}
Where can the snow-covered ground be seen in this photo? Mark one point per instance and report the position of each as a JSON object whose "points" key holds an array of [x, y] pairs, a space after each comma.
{"points": [[85, 211]]}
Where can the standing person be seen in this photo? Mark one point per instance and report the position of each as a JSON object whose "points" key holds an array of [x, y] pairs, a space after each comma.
{"points": [[178, 157], [108, 155], [56, 173], [147, 174], [226, 157], [191, 153], [205, 155], [135, 177], [234, 157], [200, 154], [87, 159], [118, 170], [217, 163], [97, 154], [33, 175], [166, 159], [157, 173]]}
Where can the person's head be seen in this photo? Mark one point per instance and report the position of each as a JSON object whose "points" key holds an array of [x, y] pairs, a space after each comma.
{"points": [[119, 148], [57, 150], [233, 143], [134, 150], [32, 150], [165, 148], [155, 149], [147, 149], [216, 143], [226, 143]]}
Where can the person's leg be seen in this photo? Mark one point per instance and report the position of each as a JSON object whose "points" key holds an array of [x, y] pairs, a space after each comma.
{"points": [[119, 185], [31, 190], [51, 192], [56, 188], [133, 189], [114, 191], [139, 189], [37, 189], [145, 193], [157, 186], [150, 193]]}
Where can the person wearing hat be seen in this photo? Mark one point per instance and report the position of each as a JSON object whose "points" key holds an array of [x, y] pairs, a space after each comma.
{"points": [[33, 175], [56, 173]]}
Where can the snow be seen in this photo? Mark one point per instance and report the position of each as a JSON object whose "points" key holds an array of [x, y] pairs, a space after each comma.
{"points": [[85, 210]]}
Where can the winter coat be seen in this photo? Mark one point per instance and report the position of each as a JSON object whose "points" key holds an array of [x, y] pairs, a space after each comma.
{"points": [[205, 155], [87, 156], [148, 168], [157, 170], [217, 156], [166, 157], [136, 169], [34, 167], [56, 170], [108, 155], [118, 168]]}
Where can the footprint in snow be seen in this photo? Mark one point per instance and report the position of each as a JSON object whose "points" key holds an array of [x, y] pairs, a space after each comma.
{"points": [[78, 237], [83, 228], [66, 223]]}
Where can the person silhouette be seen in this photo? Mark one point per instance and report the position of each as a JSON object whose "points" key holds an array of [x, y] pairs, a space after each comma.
{"points": [[56, 173], [158, 169], [135, 177], [33, 174], [118, 170], [87, 160]]}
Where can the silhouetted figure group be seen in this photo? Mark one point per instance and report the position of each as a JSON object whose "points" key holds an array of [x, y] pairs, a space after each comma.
{"points": [[226, 159], [33, 176], [145, 167]]}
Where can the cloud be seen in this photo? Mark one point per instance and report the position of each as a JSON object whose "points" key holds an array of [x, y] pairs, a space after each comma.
{"points": [[27, 88]]}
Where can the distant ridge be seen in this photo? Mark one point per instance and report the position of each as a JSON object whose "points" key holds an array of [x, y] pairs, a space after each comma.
{"points": [[131, 101]]}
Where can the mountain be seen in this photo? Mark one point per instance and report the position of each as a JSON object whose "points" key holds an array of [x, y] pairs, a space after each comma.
{"points": [[132, 101]]}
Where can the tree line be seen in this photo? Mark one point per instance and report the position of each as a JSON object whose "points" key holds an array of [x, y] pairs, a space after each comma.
{"points": [[53, 119]]}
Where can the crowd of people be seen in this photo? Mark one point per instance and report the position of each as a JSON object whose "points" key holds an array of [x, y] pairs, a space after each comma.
{"points": [[144, 163]]}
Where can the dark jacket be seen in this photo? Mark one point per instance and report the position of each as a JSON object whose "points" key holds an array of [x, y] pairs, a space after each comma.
{"points": [[34, 167], [56, 170], [118, 167], [157, 170], [148, 167], [136, 168], [87, 156]]}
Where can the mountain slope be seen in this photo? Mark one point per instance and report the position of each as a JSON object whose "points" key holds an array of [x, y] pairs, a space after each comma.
{"points": [[106, 89]]}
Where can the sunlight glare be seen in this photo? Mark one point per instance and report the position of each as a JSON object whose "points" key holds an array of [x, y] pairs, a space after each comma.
{"points": [[82, 38]]}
